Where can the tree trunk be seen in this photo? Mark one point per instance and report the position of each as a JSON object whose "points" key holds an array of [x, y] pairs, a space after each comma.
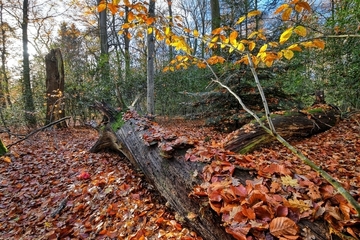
{"points": [[290, 124], [150, 64], [55, 87], [173, 177], [29, 106]]}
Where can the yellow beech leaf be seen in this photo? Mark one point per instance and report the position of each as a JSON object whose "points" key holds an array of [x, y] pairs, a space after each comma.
{"points": [[240, 20], [120, 32], [286, 14], [300, 204], [149, 30], [295, 47], [300, 30], [288, 180], [196, 33], [252, 34], [167, 31], [233, 37], [214, 39], [273, 44], [240, 47], [281, 8], [319, 43], [125, 26], [288, 54], [308, 44], [254, 13], [102, 6], [115, 2], [286, 35], [252, 46], [231, 49], [263, 48]]}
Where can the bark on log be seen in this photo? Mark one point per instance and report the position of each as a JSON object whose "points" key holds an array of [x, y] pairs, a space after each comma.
{"points": [[291, 124], [174, 179]]}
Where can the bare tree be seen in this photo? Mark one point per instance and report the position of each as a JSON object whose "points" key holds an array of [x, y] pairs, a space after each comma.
{"points": [[150, 64]]}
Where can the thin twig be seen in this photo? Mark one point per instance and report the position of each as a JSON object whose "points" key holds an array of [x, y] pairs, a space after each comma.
{"points": [[37, 130]]}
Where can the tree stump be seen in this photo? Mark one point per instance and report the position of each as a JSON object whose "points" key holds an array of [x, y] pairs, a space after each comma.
{"points": [[55, 87]]}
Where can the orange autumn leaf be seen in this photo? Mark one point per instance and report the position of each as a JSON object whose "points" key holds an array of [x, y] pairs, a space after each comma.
{"points": [[283, 226]]}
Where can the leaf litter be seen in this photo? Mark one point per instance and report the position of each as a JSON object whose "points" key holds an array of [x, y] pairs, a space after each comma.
{"points": [[99, 196]]}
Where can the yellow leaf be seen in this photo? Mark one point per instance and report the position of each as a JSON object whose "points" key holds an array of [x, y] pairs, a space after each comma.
{"points": [[319, 43], [300, 30], [281, 8], [286, 14], [120, 32], [295, 47], [289, 181], [288, 54], [254, 13], [126, 25], [273, 44], [240, 47], [115, 2], [252, 46], [286, 35], [214, 39], [300, 204], [196, 33], [102, 6], [231, 49], [308, 44], [167, 31], [233, 37], [240, 20], [149, 30], [252, 34], [263, 48]]}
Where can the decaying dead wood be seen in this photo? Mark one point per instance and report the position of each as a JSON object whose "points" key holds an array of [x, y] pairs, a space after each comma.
{"points": [[289, 124], [174, 179]]}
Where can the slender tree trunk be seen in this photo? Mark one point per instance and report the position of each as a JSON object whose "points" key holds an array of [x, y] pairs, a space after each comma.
{"points": [[215, 19], [127, 46], [171, 49], [103, 63], [150, 64], [29, 106]]}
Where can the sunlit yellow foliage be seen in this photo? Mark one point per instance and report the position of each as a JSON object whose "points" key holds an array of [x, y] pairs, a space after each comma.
{"points": [[286, 35], [300, 30], [254, 13]]}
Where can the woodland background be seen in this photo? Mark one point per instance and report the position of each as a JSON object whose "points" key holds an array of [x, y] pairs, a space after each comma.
{"points": [[116, 73]]}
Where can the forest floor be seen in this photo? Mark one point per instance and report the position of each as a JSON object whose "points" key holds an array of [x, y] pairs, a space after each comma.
{"points": [[53, 188]]}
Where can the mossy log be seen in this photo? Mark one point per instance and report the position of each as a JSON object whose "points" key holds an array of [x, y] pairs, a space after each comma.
{"points": [[288, 124], [174, 179]]}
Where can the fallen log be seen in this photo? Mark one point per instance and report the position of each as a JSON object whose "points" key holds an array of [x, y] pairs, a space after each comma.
{"points": [[288, 124], [174, 178]]}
